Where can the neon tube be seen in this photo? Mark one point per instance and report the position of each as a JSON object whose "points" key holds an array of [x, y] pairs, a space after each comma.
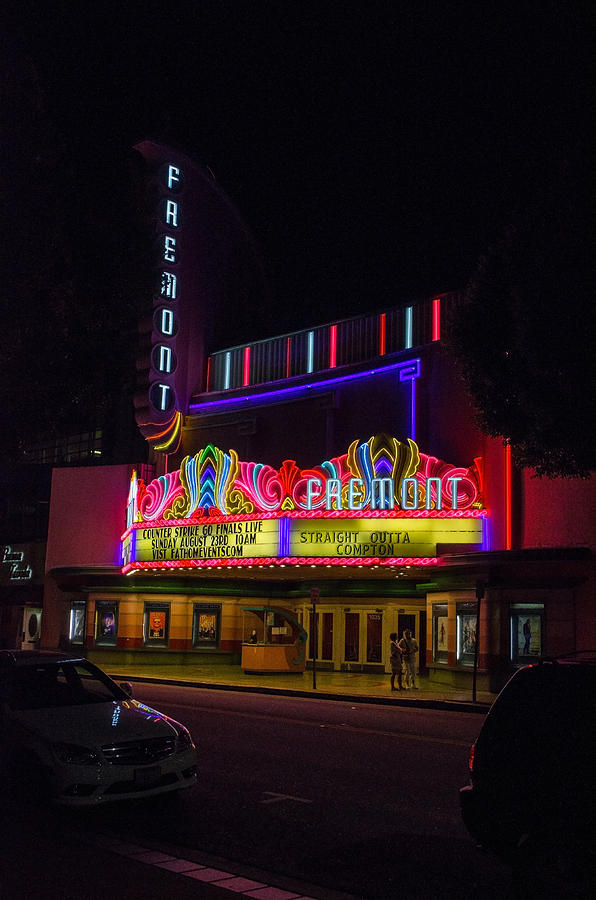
{"points": [[408, 370], [288, 356], [228, 360], [246, 373], [436, 333], [333, 346], [413, 408], [508, 497], [408, 312], [310, 360], [284, 537], [382, 330], [208, 381]]}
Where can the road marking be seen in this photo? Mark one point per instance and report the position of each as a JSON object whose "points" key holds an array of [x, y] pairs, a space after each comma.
{"points": [[277, 798]]}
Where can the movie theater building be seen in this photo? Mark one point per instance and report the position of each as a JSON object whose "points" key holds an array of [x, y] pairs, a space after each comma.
{"points": [[308, 494]]}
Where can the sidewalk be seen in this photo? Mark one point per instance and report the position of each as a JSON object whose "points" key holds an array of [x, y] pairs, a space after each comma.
{"points": [[355, 686]]}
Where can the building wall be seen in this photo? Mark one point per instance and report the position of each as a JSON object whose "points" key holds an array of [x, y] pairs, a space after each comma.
{"points": [[87, 516], [559, 512]]}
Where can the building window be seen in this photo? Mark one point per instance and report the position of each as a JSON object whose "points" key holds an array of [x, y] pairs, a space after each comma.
{"points": [[86, 446], [466, 633], [440, 633], [156, 625], [374, 637], [106, 624], [76, 627], [352, 642], [526, 632], [206, 624]]}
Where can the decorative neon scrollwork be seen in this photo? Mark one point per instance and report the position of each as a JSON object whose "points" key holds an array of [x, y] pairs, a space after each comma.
{"points": [[381, 474]]}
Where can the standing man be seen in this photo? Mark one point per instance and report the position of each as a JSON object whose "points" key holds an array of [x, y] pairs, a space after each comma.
{"points": [[409, 648]]}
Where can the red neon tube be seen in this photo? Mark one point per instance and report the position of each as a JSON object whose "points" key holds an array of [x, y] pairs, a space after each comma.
{"points": [[436, 336], [246, 379], [288, 356], [508, 497], [333, 346], [382, 324]]}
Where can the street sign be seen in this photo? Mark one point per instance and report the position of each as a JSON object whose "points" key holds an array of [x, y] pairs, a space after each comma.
{"points": [[315, 594]]}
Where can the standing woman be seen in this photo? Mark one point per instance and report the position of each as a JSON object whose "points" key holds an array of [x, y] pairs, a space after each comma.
{"points": [[396, 662]]}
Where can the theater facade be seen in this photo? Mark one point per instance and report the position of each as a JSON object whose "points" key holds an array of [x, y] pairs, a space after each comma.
{"points": [[307, 493]]}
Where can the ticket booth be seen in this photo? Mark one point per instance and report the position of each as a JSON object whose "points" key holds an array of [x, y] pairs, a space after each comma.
{"points": [[274, 642]]}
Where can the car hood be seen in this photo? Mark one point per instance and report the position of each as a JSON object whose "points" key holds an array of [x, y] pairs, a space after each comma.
{"points": [[97, 724]]}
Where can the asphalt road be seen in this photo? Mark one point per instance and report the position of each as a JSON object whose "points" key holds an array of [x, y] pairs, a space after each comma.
{"points": [[292, 792]]}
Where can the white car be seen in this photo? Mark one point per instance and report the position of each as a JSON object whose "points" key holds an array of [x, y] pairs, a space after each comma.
{"points": [[65, 723]]}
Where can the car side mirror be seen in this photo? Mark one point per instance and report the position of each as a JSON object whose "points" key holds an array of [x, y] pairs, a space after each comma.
{"points": [[126, 686]]}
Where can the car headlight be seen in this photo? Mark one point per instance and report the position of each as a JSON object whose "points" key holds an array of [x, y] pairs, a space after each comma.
{"points": [[76, 755], [184, 741]]}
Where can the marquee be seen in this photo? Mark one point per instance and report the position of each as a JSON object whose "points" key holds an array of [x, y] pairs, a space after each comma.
{"points": [[383, 502]]}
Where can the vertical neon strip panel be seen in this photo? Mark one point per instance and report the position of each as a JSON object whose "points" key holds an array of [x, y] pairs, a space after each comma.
{"points": [[408, 328], [485, 533], [310, 353], [508, 497], [246, 372], [413, 409], [288, 356], [284, 537], [382, 333], [333, 347], [410, 371], [208, 374], [227, 367], [436, 335]]}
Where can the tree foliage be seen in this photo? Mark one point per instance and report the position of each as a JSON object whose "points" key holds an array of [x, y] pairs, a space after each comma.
{"points": [[522, 337]]}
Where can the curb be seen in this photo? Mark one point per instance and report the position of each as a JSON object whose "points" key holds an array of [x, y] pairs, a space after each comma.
{"points": [[419, 703]]}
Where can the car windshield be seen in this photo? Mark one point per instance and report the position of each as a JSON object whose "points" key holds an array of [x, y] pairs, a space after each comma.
{"points": [[51, 685]]}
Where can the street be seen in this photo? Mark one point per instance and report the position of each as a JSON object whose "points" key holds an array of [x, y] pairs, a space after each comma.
{"points": [[355, 798]]}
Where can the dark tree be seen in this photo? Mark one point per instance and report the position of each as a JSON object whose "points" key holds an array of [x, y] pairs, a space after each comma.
{"points": [[522, 336]]}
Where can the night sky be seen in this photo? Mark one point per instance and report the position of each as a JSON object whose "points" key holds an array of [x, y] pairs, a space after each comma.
{"points": [[373, 149]]}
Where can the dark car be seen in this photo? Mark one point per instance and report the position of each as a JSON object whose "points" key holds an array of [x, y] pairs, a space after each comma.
{"points": [[532, 796]]}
